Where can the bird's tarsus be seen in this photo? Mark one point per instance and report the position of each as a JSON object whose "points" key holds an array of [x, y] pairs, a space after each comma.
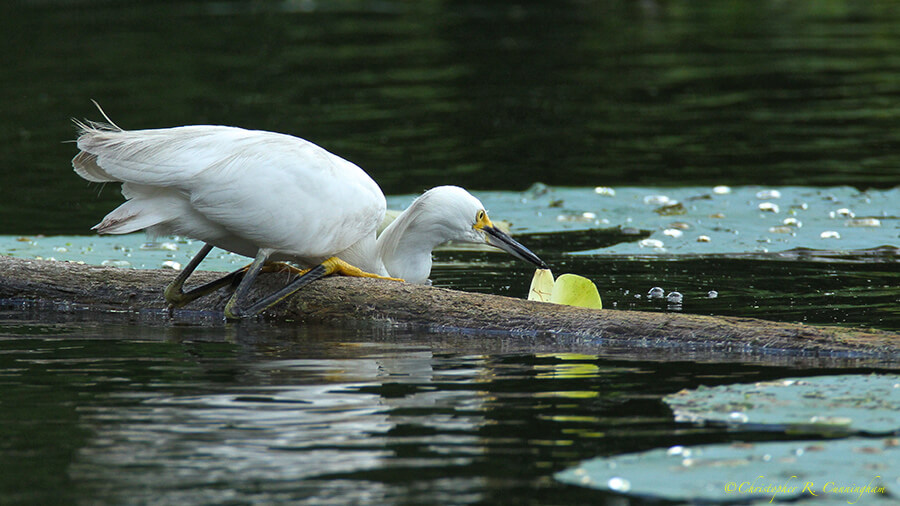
{"points": [[234, 309]]}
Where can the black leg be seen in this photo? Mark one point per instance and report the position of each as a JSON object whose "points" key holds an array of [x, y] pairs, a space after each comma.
{"points": [[234, 310], [175, 295], [291, 288]]}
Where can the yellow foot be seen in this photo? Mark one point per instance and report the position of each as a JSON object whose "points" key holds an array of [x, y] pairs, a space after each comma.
{"points": [[335, 265]]}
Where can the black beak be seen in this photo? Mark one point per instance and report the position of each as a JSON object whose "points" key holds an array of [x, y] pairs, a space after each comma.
{"points": [[500, 239]]}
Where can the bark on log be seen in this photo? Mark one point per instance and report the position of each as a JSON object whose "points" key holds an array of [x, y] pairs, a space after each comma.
{"points": [[354, 301]]}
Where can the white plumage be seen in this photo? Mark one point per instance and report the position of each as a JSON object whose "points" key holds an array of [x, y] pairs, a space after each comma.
{"points": [[240, 190], [273, 197]]}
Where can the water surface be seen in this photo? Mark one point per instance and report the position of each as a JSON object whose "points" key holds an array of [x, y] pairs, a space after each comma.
{"points": [[106, 413], [487, 96], [647, 98]]}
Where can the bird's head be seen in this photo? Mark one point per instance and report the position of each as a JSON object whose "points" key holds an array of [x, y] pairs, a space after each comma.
{"points": [[462, 218]]}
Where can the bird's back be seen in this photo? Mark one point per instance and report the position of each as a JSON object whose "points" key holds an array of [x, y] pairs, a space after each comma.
{"points": [[238, 189]]}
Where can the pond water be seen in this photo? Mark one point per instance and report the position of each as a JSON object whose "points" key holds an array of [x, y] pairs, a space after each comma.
{"points": [[745, 148]]}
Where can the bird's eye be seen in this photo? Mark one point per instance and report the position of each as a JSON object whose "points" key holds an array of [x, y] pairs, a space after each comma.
{"points": [[480, 216]]}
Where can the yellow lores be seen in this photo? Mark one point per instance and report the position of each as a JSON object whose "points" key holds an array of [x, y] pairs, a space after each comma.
{"points": [[482, 221], [568, 289]]}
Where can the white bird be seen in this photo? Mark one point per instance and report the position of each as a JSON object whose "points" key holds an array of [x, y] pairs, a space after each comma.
{"points": [[272, 197]]}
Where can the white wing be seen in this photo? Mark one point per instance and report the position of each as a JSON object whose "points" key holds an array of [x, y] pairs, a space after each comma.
{"points": [[242, 188]]}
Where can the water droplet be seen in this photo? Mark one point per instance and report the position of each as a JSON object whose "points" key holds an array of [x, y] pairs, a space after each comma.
{"points": [[605, 191], [656, 293], [671, 209], [781, 230], [737, 416], [845, 213], [768, 194], [863, 222], [577, 217], [115, 263], [658, 200], [680, 225], [673, 232], [619, 484], [703, 238], [171, 264], [160, 246], [674, 298], [830, 420], [792, 222], [830, 234], [60, 249], [712, 294], [675, 450], [722, 190], [768, 207], [651, 243]]}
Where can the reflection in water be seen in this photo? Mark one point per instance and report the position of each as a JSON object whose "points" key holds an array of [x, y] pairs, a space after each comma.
{"points": [[310, 419], [265, 414]]}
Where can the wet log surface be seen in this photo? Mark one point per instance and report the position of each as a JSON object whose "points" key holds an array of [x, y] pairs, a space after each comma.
{"points": [[61, 286]]}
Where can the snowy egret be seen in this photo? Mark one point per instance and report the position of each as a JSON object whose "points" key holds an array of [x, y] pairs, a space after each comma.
{"points": [[272, 197]]}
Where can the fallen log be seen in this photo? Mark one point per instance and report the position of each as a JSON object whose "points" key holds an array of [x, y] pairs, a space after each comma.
{"points": [[355, 301]]}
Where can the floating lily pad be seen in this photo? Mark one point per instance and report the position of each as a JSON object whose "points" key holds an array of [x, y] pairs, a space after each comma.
{"points": [[575, 290], [541, 285], [748, 472], [589, 220], [867, 403], [712, 220], [568, 289]]}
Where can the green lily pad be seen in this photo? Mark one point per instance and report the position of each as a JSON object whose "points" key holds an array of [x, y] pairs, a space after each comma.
{"points": [[575, 290], [568, 289], [746, 472], [541, 285], [845, 403]]}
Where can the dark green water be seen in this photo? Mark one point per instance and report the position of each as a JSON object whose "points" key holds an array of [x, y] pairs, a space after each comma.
{"points": [[490, 96], [105, 413]]}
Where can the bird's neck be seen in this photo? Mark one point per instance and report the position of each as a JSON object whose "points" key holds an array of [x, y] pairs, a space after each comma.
{"points": [[405, 246]]}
